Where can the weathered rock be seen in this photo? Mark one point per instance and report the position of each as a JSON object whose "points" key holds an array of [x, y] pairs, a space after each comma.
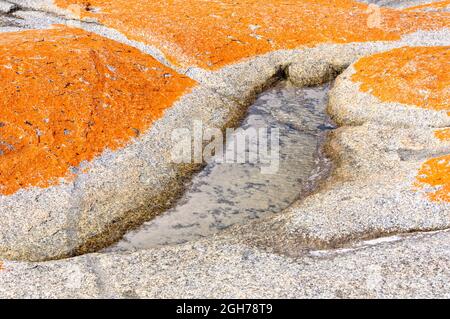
{"points": [[373, 189], [434, 174], [391, 172], [211, 35], [404, 4], [431, 6], [413, 91], [90, 182], [69, 174], [410, 267], [7, 7]]}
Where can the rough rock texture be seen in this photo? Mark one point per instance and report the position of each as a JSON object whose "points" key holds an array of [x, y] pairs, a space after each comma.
{"points": [[372, 191], [122, 187], [402, 4], [41, 143], [412, 92], [7, 7], [213, 34], [391, 153], [391, 172], [439, 6], [409, 267], [413, 5], [83, 222]]}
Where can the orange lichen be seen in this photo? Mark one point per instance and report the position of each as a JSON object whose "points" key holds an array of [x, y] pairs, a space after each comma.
{"points": [[434, 6], [211, 34], [435, 173], [67, 95], [443, 134], [415, 76]]}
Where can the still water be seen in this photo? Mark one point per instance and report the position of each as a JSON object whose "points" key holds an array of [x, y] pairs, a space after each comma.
{"points": [[222, 195]]}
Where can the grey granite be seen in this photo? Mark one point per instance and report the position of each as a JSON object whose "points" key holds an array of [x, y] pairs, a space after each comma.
{"points": [[371, 191], [399, 4], [7, 7], [369, 195], [349, 106], [414, 266]]}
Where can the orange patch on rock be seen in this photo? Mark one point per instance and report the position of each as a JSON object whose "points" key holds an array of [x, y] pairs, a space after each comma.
{"points": [[443, 134], [431, 6], [211, 34], [435, 173], [67, 95], [415, 76]]}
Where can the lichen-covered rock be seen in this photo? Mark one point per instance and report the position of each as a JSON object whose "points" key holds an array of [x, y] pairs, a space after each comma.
{"points": [[85, 151], [407, 4], [392, 168], [434, 174], [65, 104], [405, 86], [212, 34], [435, 6], [86, 123]]}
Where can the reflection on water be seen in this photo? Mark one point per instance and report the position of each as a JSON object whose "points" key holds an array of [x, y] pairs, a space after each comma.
{"points": [[225, 194]]}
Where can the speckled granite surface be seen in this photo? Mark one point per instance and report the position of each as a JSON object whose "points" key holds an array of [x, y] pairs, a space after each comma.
{"points": [[389, 183]]}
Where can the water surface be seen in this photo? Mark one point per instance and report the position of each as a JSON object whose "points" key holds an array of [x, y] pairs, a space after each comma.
{"points": [[222, 195]]}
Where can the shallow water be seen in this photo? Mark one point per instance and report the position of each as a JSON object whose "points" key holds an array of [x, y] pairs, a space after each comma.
{"points": [[222, 195]]}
